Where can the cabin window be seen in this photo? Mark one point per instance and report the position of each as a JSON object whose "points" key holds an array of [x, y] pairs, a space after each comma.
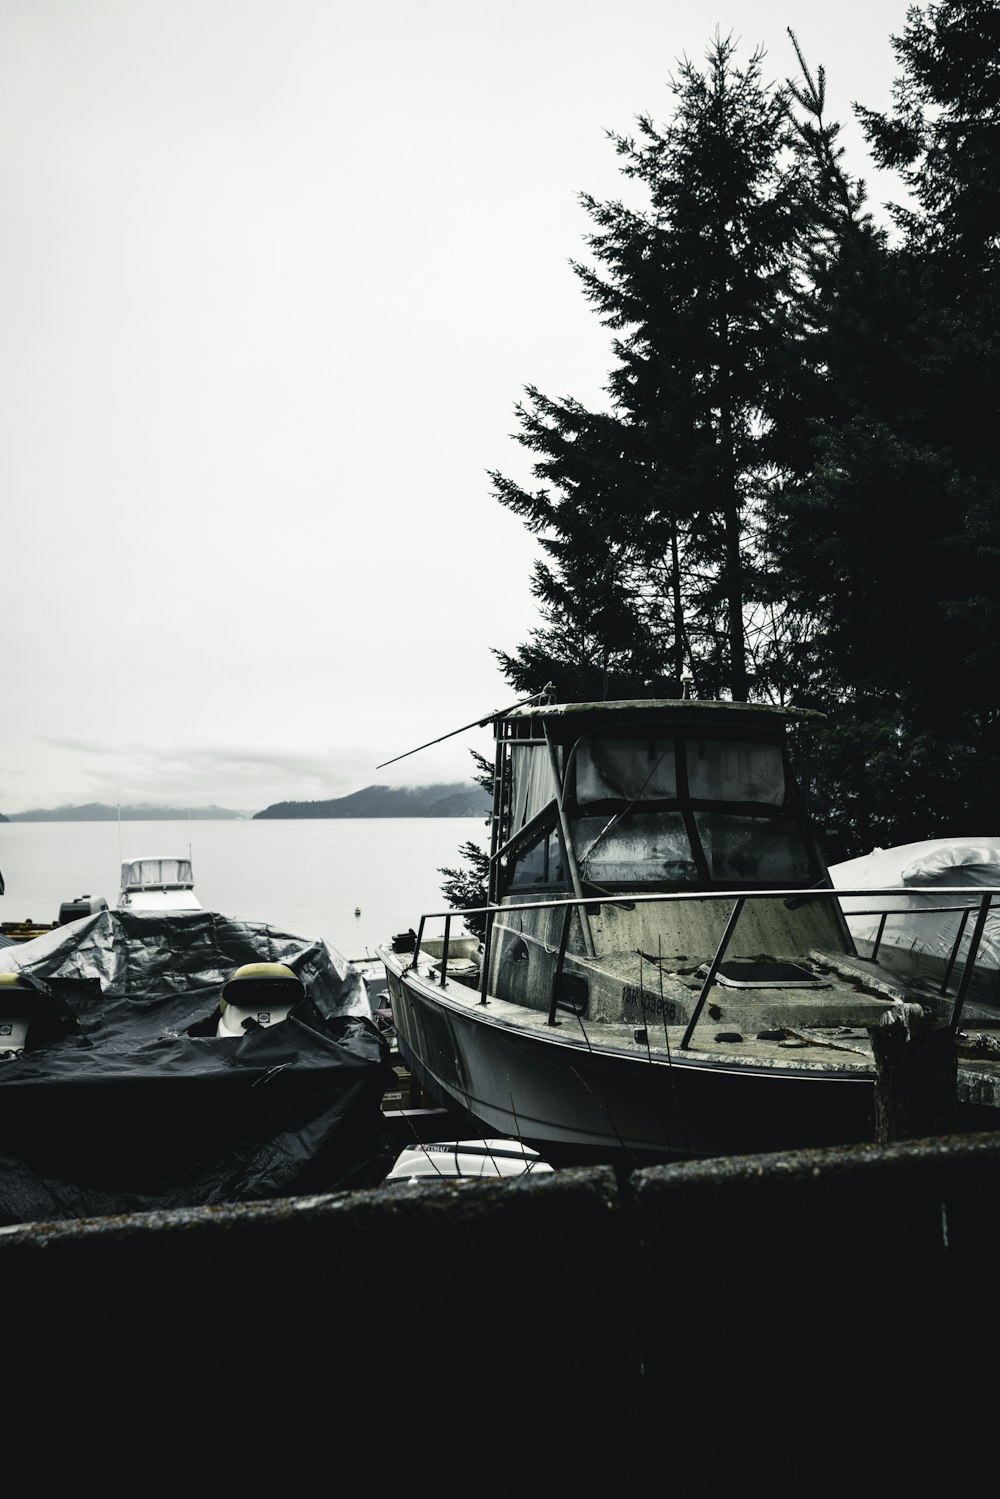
{"points": [[674, 809], [532, 783], [158, 872], [542, 863], [764, 850], [644, 846], [619, 769], [729, 770]]}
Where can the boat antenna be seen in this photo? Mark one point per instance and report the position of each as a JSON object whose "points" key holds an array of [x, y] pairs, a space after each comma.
{"points": [[118, 801], [547, 695]]}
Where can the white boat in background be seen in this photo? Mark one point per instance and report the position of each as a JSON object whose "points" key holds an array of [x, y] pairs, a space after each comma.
{"points": [[923, 930], [157, 883]]}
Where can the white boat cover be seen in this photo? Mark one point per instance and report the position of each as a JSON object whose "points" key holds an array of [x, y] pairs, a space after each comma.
{"points": [[919, 937]]}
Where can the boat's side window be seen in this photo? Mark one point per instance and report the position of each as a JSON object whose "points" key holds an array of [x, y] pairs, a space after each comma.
{"points": [[532, 786], [529, 866], [541, 863]]}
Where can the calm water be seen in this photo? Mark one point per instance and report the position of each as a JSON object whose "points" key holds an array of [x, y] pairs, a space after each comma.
{"points": [[305, 876]]}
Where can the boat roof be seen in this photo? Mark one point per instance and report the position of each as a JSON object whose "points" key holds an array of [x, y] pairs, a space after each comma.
{"points": [[694, 708], [156, 859], [138, 872], [165, 858]]}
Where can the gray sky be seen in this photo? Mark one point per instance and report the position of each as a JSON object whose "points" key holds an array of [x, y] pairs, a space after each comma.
{"points": [[273, 275]]}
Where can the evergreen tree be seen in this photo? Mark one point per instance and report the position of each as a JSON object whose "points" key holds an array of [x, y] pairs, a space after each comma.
{"points": [[943, 138], [646, 512], [886, 539], [795, 487]]}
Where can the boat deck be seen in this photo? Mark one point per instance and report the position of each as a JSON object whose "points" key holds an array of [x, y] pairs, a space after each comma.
{"points": [[716, 1036], [726, 1030]]}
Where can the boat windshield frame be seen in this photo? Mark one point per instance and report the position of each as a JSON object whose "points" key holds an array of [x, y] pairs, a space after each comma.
{"points": [[565, 813], [174, 872]]}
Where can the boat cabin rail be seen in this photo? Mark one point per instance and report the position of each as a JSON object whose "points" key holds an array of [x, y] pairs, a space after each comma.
{"points": [[157, 873], [536, 954]]}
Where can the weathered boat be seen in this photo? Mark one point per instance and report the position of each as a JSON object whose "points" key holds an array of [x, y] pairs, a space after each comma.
{"points": [[665, 971]]}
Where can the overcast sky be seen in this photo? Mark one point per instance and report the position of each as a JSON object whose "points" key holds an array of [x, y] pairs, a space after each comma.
{"points": [[273, 274]]}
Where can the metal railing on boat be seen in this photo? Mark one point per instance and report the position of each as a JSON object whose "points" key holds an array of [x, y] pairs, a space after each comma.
{"points": [[981, 902]]}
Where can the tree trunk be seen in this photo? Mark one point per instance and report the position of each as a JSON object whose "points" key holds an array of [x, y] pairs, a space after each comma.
{"points": [[675, 584], [734, 602]]}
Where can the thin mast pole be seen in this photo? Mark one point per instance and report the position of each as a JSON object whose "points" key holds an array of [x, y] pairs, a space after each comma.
{"points": [[477, 723], [570, 851]]}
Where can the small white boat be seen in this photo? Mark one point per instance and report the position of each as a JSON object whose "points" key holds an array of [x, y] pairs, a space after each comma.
{"points": [[157, 883], [466, 1158]]}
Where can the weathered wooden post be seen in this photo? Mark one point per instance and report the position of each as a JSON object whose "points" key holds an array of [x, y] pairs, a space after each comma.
{"points": [[916, 1076]]}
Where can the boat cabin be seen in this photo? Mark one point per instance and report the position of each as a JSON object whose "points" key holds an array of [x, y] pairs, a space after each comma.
{"points": [[658, 795], [612, 800], [162, 883]]}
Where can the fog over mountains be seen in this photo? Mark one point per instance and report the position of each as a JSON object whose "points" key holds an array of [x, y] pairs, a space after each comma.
{"points": [[99, 812], [455, 799]]}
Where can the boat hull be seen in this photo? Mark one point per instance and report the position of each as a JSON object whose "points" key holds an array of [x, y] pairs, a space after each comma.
{"points": [[579, 1102]]}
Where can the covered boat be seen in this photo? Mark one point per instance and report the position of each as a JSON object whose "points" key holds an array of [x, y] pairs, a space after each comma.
{"points": [[665, 970], [924, 930], [119, 1093]]}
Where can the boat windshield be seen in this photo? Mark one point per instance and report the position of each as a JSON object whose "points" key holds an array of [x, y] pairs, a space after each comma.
{"points": [[143, 874], [681, 809]]}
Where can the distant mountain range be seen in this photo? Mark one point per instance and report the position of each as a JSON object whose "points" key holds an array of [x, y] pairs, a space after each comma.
{"points": [[98, 812], [457, 799], [460, 799]]}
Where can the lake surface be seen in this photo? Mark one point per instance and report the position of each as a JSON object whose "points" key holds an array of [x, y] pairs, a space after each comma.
{"points": [[304, 875]]}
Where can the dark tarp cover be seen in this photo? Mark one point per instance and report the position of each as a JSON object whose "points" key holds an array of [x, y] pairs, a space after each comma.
{"points": [[124, 1099]]}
